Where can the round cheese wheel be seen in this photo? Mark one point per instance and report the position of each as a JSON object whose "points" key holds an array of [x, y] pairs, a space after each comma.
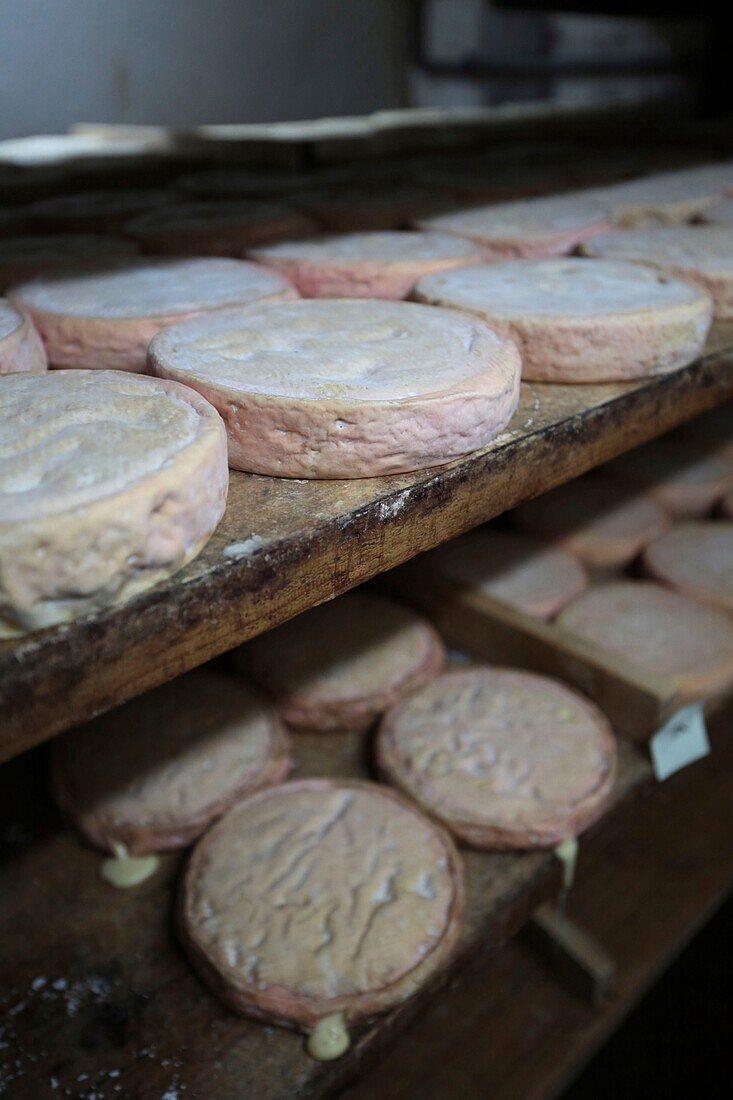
{"points": [[106, 319], [703, 255], [365, 265], [533, 229], [330, 389], [315, 898], [153, 774], [604, 522], [23, 258], [109, 483], [21, 348], [94, 211], [340, 665], [580, 321], [697, 560], [659, 631], [524, 572], [686, 480], [666, 198], [215, 229], [504, 759]]}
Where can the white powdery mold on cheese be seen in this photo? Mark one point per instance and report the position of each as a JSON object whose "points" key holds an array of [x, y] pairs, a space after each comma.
{"points": [[685, 479], [665, 198], [701, 254], [21, 348], [366, 265], [311, 899], [505, 759], [348, 388], [109, 484], [575, 320], [106, 319], [532, 229]]}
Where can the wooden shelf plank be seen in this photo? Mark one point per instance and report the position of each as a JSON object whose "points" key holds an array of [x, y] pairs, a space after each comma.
{"points": [[284, 546], [647, 882], [92, 981]]}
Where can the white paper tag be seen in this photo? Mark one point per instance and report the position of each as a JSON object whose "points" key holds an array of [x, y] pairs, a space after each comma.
{"points": [[680, 741]]}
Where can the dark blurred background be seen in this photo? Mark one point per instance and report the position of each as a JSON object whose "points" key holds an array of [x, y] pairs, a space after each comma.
{"points": [[185, 62]]}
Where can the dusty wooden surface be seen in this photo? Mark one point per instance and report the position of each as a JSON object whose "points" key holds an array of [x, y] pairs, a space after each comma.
{"points": [[97, 1001], [286, 545], [647, 882]]}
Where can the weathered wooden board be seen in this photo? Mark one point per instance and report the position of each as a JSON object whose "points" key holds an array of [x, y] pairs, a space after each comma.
{"points": [[96, 999], [286, 545]]}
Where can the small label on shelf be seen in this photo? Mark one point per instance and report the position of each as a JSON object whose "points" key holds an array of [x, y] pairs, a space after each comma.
{"points": [[680, 741]]}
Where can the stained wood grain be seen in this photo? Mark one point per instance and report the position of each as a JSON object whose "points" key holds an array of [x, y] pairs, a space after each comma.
{"points": [[284, 546], [95, 993]]}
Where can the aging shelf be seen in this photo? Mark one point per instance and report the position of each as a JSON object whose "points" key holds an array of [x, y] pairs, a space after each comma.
{"points": [[97, 1001], [647, 883], [284, 546]]}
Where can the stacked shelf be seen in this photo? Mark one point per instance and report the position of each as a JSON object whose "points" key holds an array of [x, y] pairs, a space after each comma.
{"points": [[284, 546], [96, 999]]}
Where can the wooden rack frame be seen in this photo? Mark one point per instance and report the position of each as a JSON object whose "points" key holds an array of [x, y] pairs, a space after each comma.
{"points": [[284, 546]]}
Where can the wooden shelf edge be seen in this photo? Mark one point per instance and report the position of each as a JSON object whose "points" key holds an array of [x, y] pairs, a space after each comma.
{"points": [[61, 677]]}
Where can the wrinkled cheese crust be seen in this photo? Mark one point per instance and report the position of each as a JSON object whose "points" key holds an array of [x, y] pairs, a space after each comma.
{"points": [[497, 747], [363, 351], [567, 287], [153, 288], [67, 439], [322, 892]]}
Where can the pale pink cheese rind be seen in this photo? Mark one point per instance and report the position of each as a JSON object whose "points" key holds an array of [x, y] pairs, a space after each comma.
{"points": [[543, 825], [599, 347], [352, 278], [64, 565], [594, 541], [338, 438], [280, 1005], [712, 274], [357, 702], [21, 349], [111, 343], [103, 828], [696, 560], [599, 614], [684, 499]]}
